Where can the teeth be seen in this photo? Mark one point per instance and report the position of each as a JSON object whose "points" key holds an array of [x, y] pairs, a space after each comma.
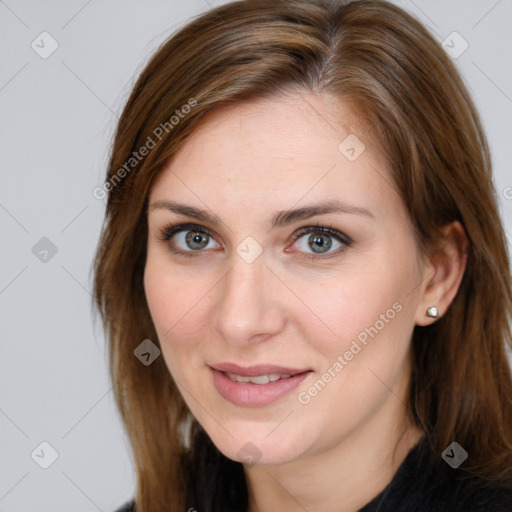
{"points": [[258, 379]]}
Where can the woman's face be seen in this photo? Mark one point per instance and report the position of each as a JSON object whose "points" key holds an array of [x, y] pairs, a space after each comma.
{"points": [[255, 281]]}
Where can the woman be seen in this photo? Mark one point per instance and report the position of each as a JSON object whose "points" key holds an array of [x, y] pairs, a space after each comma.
{"points": [[303, 274]]}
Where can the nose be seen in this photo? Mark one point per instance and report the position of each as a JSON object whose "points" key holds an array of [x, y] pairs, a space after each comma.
{"points": [[249, 303]]}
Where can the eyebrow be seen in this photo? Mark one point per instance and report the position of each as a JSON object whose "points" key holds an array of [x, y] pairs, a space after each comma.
{"points": [[278, 219]]}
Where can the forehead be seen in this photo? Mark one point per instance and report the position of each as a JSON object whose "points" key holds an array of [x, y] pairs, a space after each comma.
{"points": [[277, 153]]}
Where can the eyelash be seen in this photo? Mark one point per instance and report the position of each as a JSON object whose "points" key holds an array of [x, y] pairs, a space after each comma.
{"points": [[168, 231]]}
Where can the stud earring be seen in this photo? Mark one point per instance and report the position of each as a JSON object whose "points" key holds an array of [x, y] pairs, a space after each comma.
{"points": [[432, 312]]}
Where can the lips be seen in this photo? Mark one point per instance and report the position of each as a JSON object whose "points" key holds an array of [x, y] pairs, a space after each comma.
{"points": [[260, 393]]}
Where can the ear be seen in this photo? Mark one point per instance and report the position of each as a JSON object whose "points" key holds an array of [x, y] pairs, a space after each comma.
{"points": [[443, 272]]}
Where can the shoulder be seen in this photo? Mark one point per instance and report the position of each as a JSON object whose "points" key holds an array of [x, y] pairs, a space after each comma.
{"points": [[452, 490], [421, 485], [127, 507], [471, 495]]}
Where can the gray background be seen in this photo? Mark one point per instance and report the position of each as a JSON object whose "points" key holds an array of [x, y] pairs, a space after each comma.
{"points": [[57, 116]]}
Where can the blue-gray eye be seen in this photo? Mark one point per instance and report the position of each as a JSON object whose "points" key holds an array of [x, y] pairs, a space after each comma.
{"points": [[319, 243], [188, 239], [193, 240]]}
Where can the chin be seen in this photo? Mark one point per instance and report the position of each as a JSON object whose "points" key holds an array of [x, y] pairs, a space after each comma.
{"points": [[251, 446]]}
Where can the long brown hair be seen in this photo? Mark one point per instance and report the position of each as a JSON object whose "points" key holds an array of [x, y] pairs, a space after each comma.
{"points": [[385, 63]]}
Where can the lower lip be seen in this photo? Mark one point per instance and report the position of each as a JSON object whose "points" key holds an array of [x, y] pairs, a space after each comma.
{"points": [[252, 395]]}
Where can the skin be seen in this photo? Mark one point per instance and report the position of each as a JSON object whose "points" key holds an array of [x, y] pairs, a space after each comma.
{"points": [[243, 164]]}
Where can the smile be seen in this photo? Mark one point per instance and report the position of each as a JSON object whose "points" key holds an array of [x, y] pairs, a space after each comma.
{"points": [[257, 390]]}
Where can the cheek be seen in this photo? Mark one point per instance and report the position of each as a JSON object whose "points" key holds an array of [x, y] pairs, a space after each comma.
{"points": [[362, 362], [367, 321], [360, 303], [176, 304]]}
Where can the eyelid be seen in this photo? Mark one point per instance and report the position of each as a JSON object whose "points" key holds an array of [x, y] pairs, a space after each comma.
{"points": [[329, 230], [170, 229]]}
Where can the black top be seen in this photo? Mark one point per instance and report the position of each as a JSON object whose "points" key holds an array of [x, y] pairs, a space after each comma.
{"points": [[422, 487], [419, 486]]}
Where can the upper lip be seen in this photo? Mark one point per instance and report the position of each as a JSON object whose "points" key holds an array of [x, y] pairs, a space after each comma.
{"points": [[260, 369]]}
